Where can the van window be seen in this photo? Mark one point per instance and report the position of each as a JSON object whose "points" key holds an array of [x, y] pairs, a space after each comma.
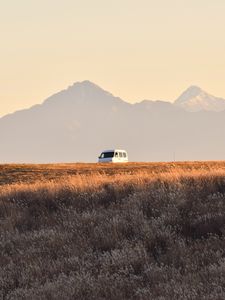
{"points": [[107, 154], [116, 154], [121, 154], [124, 154]]}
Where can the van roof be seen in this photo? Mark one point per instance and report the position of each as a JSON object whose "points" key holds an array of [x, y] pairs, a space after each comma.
{"points": [[113, 150]]}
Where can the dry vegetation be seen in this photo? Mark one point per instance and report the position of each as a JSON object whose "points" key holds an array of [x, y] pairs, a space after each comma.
{"points": [[134, 231]]}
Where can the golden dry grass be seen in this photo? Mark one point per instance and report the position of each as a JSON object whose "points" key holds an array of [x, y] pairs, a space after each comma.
{"points": [[98, 231], [18, 173]]}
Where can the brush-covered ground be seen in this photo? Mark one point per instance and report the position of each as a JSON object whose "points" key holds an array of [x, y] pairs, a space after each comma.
{"points": [[102, 231]]}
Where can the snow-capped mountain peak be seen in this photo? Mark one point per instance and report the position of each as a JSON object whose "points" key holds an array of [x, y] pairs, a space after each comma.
{"points": [[195, 99]]}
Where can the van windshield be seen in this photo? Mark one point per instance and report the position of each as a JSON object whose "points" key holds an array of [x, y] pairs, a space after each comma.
{"points": [[107, 154]]}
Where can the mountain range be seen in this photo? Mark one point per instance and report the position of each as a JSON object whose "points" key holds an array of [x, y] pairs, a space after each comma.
{"points": [[79, 122]]}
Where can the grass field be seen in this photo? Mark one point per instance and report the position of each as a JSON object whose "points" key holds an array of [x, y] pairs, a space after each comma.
{"points": [[29, 173], [102, 231]]}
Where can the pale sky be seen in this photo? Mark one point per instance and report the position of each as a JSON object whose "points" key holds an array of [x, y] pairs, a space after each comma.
{"points": [[136, 49]]}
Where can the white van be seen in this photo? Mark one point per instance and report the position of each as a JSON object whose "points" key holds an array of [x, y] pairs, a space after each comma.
{"points": [[114, 156]]}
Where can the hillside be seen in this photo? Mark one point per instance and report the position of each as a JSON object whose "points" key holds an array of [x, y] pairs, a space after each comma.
{"points": [[76, 124], [134, 231]]}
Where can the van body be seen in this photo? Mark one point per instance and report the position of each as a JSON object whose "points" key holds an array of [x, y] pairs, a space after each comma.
{"points": [[114, 156]]}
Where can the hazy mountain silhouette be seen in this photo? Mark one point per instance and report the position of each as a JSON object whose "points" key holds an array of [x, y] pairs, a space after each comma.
{"points": [[77, 123]]}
